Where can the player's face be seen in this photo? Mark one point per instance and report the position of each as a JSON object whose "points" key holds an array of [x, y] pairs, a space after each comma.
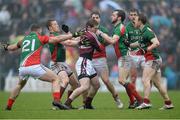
{"points": [[136, 22], [114, 17], [39, 30], [132, 15], [54, 26], [93, 29], [96, 17]]}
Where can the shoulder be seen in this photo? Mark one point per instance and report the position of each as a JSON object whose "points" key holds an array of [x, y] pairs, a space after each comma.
{"points": [[103, 29], [129, 25]]}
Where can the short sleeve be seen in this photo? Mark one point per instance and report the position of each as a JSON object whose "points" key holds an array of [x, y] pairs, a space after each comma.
{"points": [[44, 39], [150, 34]]}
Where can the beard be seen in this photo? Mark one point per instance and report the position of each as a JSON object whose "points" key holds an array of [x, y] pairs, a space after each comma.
{"points": [[114, 21]]}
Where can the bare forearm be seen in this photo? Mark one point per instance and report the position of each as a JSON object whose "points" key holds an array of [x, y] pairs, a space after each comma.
{"points": [[134, 45]]}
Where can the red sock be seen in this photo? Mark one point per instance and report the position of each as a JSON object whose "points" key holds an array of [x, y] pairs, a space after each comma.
{"points": [[147, 101], [132, 89], [10, 102], [167, 102], [56, 96], [131, 97], [69, 93]]}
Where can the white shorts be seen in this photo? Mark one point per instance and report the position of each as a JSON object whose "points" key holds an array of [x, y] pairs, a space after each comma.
{"points": [[100, 64], [61, 66], [35, 71], [138, 60], [154, 64], [84, 68], [124, 62]]}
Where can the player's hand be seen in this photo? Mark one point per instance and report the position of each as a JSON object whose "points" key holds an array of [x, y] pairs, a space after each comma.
{"points": [[4, 46], [98, 32], [79, 33], [143, 50], [65, 28], [126, 42]]}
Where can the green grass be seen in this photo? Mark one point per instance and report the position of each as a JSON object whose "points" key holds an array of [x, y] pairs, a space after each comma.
{"points": [[38, 105]]}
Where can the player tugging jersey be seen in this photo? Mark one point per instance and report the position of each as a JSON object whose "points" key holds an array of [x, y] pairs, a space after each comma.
{"points": [[88, 43], [120, 48], [32, 45], [101, 54], [58, 52], [147, 35]]}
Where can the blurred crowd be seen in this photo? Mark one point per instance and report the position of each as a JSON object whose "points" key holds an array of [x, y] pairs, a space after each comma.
{"points": [[163, 15]]}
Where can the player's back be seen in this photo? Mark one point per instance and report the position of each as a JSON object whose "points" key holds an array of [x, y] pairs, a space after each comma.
{"points": [[31, 49], [88, 43]]}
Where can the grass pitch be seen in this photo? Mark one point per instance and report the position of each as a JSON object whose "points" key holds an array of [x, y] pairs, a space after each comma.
{"points": [[38, 106]]}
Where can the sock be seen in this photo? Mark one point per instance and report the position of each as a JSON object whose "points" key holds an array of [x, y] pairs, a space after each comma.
{"points": [[131, 97], [10, 102], [56, 96], [133, 91], [68, 102], [62, 89], [69, 93], [167, 102], [146, 100], [88, 101]]}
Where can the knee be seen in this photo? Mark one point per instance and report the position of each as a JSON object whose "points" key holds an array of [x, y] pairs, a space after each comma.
{"points": [[84, 88]]}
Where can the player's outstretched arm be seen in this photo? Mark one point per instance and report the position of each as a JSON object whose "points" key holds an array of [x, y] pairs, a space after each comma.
{"points": [[12, 47], [72, 42], [60, 38], [107, 38]]}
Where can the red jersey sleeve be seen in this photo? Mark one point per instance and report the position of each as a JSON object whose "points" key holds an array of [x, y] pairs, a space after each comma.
{"points": [[43, 38]]}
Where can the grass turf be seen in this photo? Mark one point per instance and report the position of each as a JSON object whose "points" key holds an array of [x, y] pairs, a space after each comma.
{"points": [[38, 106]]}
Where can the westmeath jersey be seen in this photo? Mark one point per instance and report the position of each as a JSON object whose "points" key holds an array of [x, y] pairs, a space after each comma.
{"points": [[101, 54], [134, 34], [88, 43], [58, 52], [32, 45], [120, 48], [147, 35]]}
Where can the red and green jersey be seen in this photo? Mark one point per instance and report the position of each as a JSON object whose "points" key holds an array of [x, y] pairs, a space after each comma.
{"points": [[120, 48], [147, 36], [32, 45], [101, 54], [58, 52], [134, 34]]}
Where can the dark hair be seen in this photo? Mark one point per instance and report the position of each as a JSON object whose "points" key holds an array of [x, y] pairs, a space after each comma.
{"points": [[35, 27], [95, 13], [48, 24], [121, 13], [134, 10], [142, 18], [91, 23]]}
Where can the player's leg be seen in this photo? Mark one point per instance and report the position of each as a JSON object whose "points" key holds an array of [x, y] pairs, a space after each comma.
{"points": [[15, 92], [95, 85], [157, 82], [84, 86], [133, 71], [64, 82], [104, 74], [73, 82], [124, 71], [148, 74]]}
